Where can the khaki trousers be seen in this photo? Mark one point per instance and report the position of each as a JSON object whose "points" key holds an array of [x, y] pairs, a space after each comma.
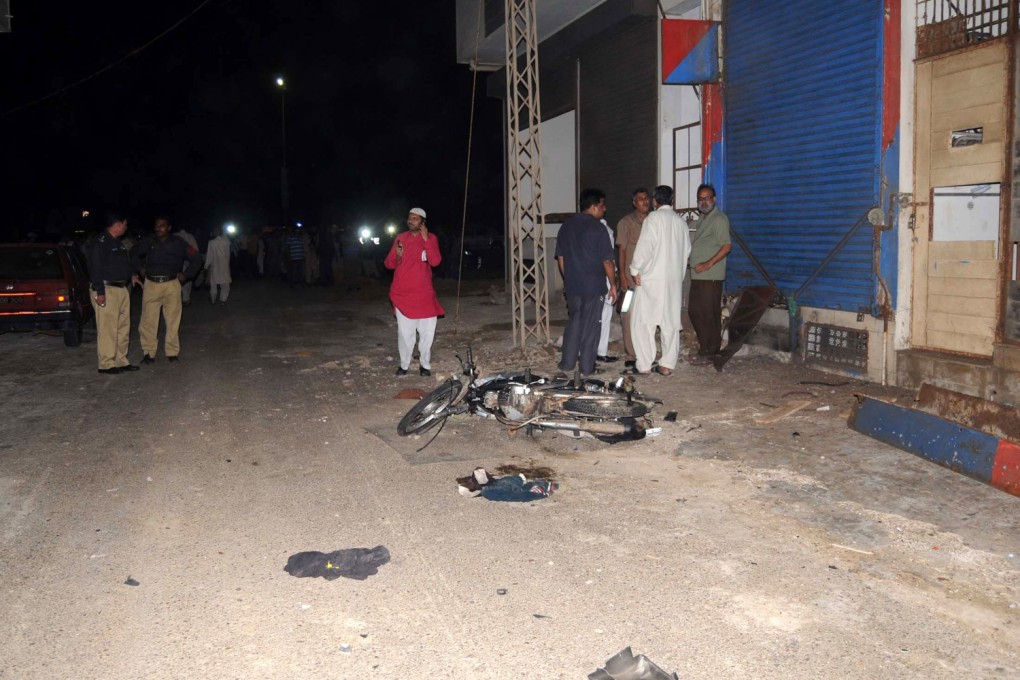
{"points": [[166, 297], [113, 327], [628, 337]]}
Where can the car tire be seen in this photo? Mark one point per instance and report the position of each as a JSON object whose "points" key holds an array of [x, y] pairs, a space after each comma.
{"points": [[72, 336]]}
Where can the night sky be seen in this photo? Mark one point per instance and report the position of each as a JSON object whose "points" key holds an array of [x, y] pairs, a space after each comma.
{"points": [[377, 114]]}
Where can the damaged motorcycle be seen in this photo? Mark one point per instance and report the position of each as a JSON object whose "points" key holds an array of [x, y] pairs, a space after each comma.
{"points": [[609, 411]]}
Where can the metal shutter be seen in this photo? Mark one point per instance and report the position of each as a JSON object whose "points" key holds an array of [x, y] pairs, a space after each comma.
{"points": [[803, 138]]}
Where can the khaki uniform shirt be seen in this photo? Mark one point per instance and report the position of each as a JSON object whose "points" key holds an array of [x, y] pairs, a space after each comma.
{"points": [[628, 230]]}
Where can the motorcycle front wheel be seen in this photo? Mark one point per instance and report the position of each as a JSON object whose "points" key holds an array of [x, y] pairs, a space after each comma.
{"points": [[431, 410]]}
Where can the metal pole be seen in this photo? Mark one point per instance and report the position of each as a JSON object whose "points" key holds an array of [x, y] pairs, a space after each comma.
{"points": [[284, 198]]}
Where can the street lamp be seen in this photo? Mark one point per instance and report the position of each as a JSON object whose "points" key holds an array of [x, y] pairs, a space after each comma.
{"points": [[284, 197]]}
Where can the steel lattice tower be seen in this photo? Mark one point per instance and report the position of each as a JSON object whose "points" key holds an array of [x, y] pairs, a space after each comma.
{"points": [[526, 222]]}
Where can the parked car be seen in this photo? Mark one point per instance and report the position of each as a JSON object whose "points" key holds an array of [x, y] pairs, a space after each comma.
{"points": [[44, 286]]}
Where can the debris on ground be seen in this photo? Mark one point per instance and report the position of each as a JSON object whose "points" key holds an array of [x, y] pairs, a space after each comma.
{"points": [[787, 409], [626, 666], [512, 488], [131, 582], [356, 563]]}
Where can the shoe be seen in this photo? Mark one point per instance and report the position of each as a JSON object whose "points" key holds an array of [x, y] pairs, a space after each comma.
{"points": [[111, 371], [630, 363], [174, 359], [423, 371], [148, 360], [129, 367], [607, 358], [400, 371]]}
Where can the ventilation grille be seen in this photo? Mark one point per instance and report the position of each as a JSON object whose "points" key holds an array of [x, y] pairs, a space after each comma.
{"points": [[837, 346]]}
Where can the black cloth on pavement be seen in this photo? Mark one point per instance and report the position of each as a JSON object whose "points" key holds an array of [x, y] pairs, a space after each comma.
{"points": [[356, 563]]}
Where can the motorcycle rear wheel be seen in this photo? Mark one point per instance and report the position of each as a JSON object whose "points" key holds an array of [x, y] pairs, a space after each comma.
{"points": [[430, 411], [605, 407]]}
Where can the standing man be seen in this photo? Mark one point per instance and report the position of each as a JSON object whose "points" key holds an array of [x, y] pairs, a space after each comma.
{"points": [[217, 261], [584, 254], [181, 233], [607, 313], [708, 271], [294, 248], [628, 230], [412, 257], [164, 260], [111, 270], [658, 267]]}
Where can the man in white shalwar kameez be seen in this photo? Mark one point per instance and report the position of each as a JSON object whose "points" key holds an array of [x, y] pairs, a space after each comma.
{"points": [[217, 261], [658, 268]]}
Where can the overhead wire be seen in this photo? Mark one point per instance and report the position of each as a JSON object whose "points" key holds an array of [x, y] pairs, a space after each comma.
{"points": [[106, 68], [467, 170]]}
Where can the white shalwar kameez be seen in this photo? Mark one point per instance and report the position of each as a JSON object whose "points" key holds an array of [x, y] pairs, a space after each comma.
{"points": [[607, 308], [660, 259]]}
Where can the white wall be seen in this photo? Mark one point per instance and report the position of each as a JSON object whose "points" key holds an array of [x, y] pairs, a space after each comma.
{"points": [[904, 282], [678, 105]]}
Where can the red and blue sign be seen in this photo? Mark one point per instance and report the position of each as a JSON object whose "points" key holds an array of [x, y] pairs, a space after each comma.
{"points": [[690, 52]]}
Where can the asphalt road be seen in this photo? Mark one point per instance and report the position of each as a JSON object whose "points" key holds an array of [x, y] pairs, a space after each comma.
{"points": [[720, 549]]}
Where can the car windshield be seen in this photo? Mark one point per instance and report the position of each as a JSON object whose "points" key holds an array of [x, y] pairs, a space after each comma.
{"points": [[30, 264]]}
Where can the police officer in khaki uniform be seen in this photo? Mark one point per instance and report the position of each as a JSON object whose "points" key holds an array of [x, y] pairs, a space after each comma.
{"points": [[111, 270], [163, 259]]}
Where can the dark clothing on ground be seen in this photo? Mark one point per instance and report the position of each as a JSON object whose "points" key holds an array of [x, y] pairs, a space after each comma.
{"points": [[356, 563], [109, 260], [581, 337], [584, 245], [167, 258], [705, 309]]}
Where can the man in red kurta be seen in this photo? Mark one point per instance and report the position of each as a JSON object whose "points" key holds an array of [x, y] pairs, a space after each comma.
{"points": [[412, 257]]}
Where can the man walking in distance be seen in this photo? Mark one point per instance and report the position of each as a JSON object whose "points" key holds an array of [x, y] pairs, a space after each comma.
{"points": [[164, 260], [181, 233], [628, 230], [111, 270], [584, 254], [708, 271], [658, 267], [217, 261], [412, 257]]}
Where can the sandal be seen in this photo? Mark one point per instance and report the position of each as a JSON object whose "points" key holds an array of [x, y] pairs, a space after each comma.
{"points": [[662, 370], [634, 371]]}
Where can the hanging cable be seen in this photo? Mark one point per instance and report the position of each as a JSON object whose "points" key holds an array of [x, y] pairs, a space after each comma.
{"points": [[105, 68], [467, 171]]}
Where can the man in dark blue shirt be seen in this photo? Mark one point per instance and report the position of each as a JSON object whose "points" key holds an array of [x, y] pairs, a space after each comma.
{"points": [[112, 269], [586, 260], [164, 259]]}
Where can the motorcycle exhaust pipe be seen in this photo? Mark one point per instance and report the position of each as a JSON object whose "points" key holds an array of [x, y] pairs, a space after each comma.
{"points": [[601, 427]]}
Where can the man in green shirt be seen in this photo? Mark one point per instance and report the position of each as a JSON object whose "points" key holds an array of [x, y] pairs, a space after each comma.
{"points": [[709, 249]]}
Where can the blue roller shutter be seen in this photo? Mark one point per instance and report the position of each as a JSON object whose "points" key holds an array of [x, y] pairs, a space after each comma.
{"points": [[803, 145]]}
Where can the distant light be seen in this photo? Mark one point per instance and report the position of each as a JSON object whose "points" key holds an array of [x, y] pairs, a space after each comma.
{"points": [[375, 240], [84, 213], [391, 229], [365, 233], [231, 229], [280, 82], [299, 224]]}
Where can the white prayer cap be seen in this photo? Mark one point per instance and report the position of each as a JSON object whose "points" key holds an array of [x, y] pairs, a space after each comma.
{"points": [[417, 211]]}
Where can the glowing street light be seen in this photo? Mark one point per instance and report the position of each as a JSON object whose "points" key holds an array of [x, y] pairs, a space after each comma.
{"points": [[391, 229], [230, 229]]}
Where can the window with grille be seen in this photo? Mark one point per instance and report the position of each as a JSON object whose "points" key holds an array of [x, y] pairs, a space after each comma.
{"points": [[946, 25]]}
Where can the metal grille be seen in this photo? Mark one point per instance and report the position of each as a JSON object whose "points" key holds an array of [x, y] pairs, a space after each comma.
{"points": [[946, 25], [835, 345]]}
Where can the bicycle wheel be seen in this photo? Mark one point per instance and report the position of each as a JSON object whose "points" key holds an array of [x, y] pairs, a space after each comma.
{"points": [[430, 411]]}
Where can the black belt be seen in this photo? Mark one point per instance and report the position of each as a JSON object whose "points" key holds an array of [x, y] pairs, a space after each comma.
{"points": [[160, 279], [115, 284]]}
